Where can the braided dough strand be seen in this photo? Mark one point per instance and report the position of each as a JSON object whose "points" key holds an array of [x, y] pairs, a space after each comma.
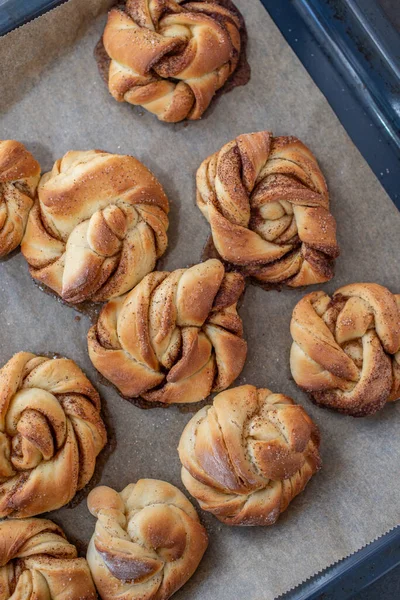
{"points": [[37, 562], [19, 177], [346, 349], [98, 226], [171, 56], [50, 433], [175, 337], [248, 455], [268, 207], [147, 543]]}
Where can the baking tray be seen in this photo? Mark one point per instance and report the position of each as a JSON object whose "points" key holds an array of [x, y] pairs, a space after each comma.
{"points": [[352, 51], [352, 55]]}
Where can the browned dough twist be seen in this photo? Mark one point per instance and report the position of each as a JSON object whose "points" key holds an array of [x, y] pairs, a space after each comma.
{"points": [[248, 455], [98, 226], [346, 349], [38, 563], [19, 177], [171, 56], [51, 432], [175, 337], [268, 207]]}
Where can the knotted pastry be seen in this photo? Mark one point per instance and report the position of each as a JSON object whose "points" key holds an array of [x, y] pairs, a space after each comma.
{"points": [[50, 433], [268, 207], [248, 455], [171, 56], [176, 337], [98, 226], [38, 563], [346, 349], [147, 543], [19, 176]]}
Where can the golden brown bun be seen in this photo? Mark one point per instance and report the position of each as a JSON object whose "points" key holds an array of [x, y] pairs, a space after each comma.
{"points": [[170, 58], [147, 543], [248, 455], [19, 176], [346, 349], [50, 433], [98, 226], [37, 562], [268, 207], [175, 337]]}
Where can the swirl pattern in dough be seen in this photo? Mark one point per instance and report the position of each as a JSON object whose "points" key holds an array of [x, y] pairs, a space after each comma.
{"points": [[176, 337], [98, 226], [38, 563], [268, 207], [51, 432], [19, 177], [346, 349], [248, 455], [147, 543], [171, 57]]}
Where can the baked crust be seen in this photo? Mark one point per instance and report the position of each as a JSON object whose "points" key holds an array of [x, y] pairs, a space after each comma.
{"points": [[37, 561], [147, 543], [51, 432], [346, 349], [248, 455], [98, 226], [175, 337], [19, 177], [268, 207], [171, 57]]}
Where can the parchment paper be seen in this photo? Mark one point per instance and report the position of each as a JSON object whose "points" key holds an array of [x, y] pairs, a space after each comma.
{"points": [[54, 100]]}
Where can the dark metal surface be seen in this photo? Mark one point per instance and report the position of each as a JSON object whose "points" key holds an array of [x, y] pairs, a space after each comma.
{"points": [[352, 51], [352, 576], [14, 13], [391, 8]]}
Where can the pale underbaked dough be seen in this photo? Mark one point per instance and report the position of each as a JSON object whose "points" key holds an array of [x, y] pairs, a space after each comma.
{"points": [[147, 543]]}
